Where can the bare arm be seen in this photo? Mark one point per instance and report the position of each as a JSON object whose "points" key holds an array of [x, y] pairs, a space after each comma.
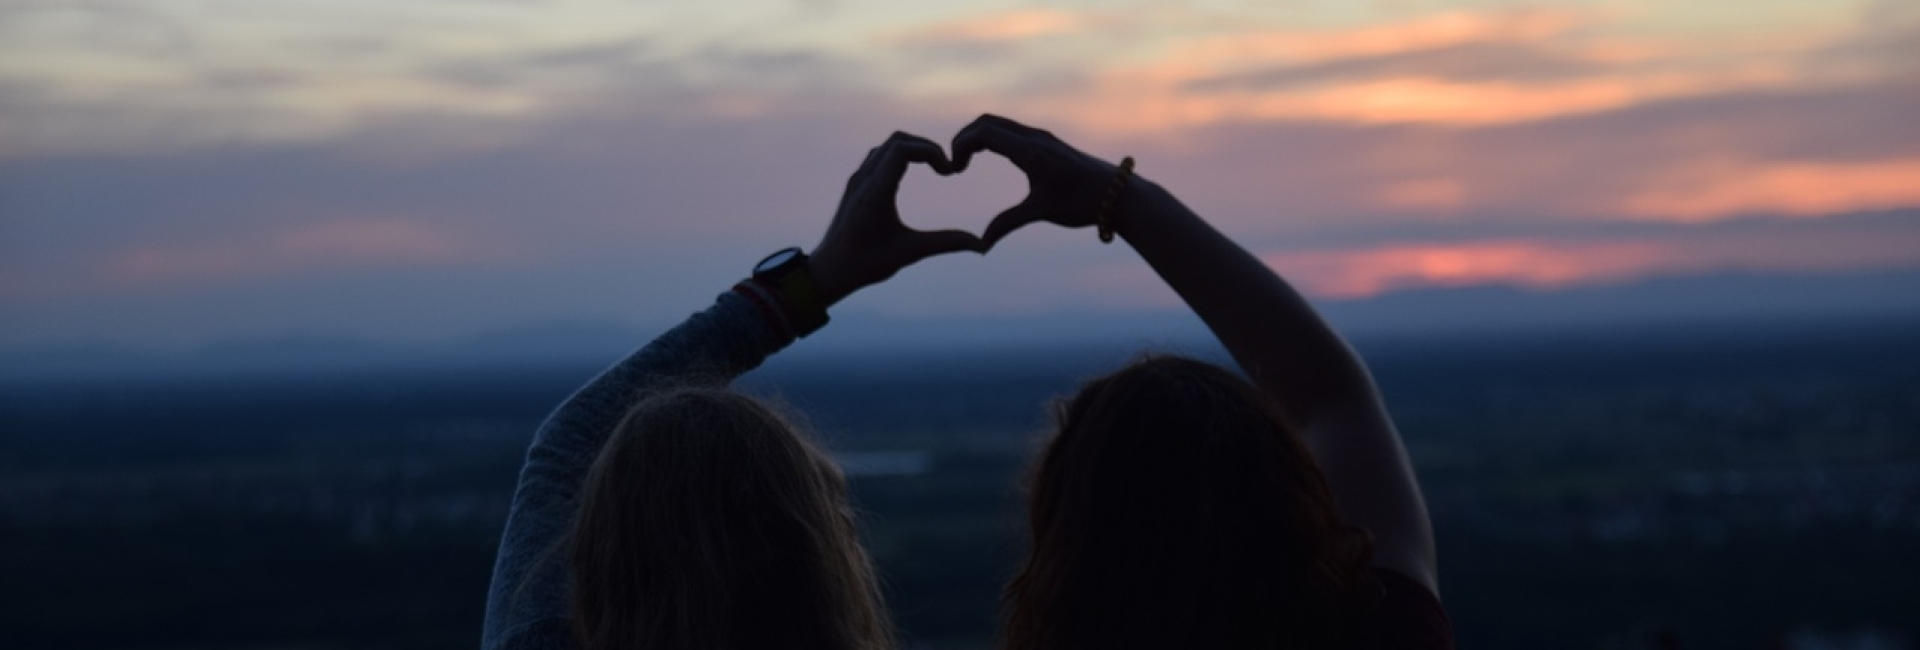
{"points": [[1284, 346], [1272, 332]]}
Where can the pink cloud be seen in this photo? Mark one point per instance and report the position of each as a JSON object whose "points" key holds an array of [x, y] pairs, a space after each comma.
{"points": [[1548, 264], [330, 244], [1360, 273], [1714, 190]]}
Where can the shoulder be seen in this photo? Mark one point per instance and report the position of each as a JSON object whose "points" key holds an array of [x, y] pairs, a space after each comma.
{"points": [[1359, 451]]}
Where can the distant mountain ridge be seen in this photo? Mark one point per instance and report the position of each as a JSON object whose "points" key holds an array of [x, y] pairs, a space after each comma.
{"points": [[1741, 299]]}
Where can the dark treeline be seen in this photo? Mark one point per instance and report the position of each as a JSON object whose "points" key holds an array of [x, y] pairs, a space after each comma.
{"points": [[1731, 489]]}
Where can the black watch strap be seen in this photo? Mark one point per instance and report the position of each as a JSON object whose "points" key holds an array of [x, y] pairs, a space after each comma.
{"points": [[789, 278]]}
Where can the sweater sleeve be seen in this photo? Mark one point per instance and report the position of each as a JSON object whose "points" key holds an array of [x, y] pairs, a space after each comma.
{"points": [[527, 600]]}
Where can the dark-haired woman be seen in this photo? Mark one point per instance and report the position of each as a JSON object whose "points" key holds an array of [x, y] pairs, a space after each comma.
{"points": [[1181, 506], [657, 510]]}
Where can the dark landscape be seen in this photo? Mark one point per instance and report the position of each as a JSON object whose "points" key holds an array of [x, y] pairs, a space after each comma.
{"points": [[1731, 486]]}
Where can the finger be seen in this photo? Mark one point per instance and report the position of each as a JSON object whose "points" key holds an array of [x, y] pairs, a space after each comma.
{"points": [[988, 136], [976, 133], [1009, 124], [940, 242], [865, 168], [904, 149], [1009, 220], [967, 136]]}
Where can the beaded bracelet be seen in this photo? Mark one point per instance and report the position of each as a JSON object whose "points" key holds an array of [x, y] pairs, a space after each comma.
{"points": [[1119, 184]]}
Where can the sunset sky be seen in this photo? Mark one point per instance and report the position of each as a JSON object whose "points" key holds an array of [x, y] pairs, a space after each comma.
{"points": [[181, 172]]}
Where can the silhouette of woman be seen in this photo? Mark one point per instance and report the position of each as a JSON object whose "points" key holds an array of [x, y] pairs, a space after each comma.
{"points": [[1179, 505], [658, 510]]}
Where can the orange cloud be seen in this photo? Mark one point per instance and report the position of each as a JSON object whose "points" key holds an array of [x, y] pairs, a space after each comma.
{"points": [[1019, 24], [1455, 28], [333, 244], [1721, 190], [1216, 78], [1163, 100]]}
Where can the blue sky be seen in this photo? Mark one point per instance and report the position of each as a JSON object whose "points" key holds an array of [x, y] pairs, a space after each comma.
{"points": [[174, 174]]}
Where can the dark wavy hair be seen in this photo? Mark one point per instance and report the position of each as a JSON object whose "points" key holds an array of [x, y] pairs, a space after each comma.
{"points": [[709, 523], [1175, 508]]}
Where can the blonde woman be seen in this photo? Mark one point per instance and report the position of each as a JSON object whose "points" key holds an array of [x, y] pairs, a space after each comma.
{"points": [[659, 510]]}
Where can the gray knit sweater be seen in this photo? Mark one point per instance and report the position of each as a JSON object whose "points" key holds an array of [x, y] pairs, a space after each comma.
{"points": [[527, 602]]}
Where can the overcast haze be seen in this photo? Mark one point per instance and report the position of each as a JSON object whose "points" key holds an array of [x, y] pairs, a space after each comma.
{"points": [[176, 174]]}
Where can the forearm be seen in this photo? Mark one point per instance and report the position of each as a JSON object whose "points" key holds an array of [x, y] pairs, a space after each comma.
{"points": [[710, 348], [1284, 346], [1268, 327]]}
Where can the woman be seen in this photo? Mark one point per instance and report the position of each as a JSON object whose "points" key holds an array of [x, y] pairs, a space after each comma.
{"points": [[1180, 506], [657, 510]]}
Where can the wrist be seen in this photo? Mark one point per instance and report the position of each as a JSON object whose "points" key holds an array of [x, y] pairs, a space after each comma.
{"points": [[786, 280], [829, 274], [1137, 206]]}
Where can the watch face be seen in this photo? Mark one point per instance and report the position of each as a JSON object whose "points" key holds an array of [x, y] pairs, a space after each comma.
{"points": [[776, 260]]}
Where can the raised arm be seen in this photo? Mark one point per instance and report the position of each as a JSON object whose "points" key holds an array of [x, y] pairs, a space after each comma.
{"points": [[1271, 331], [866, 243]]}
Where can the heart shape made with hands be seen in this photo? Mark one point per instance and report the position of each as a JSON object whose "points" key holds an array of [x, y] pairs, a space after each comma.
{"points": [[870, 239], [964, 201]]}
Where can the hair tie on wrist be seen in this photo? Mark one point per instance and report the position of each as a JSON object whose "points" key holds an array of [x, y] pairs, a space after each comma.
{"points": [[1119, 184], [769, 309]]}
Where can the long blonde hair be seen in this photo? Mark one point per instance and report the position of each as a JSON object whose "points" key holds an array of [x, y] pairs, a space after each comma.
{"points": [[709, 523]]}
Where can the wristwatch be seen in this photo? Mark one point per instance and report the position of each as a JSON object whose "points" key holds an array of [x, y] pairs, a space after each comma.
{"points": [[788, 277]]}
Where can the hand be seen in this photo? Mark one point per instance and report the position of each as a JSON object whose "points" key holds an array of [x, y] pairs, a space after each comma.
{"points": [[1064, 186], [867, 243]]}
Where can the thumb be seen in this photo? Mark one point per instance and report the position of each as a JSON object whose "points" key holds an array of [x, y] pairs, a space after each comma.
{"points": [[1009, 220], [940, 242]]}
